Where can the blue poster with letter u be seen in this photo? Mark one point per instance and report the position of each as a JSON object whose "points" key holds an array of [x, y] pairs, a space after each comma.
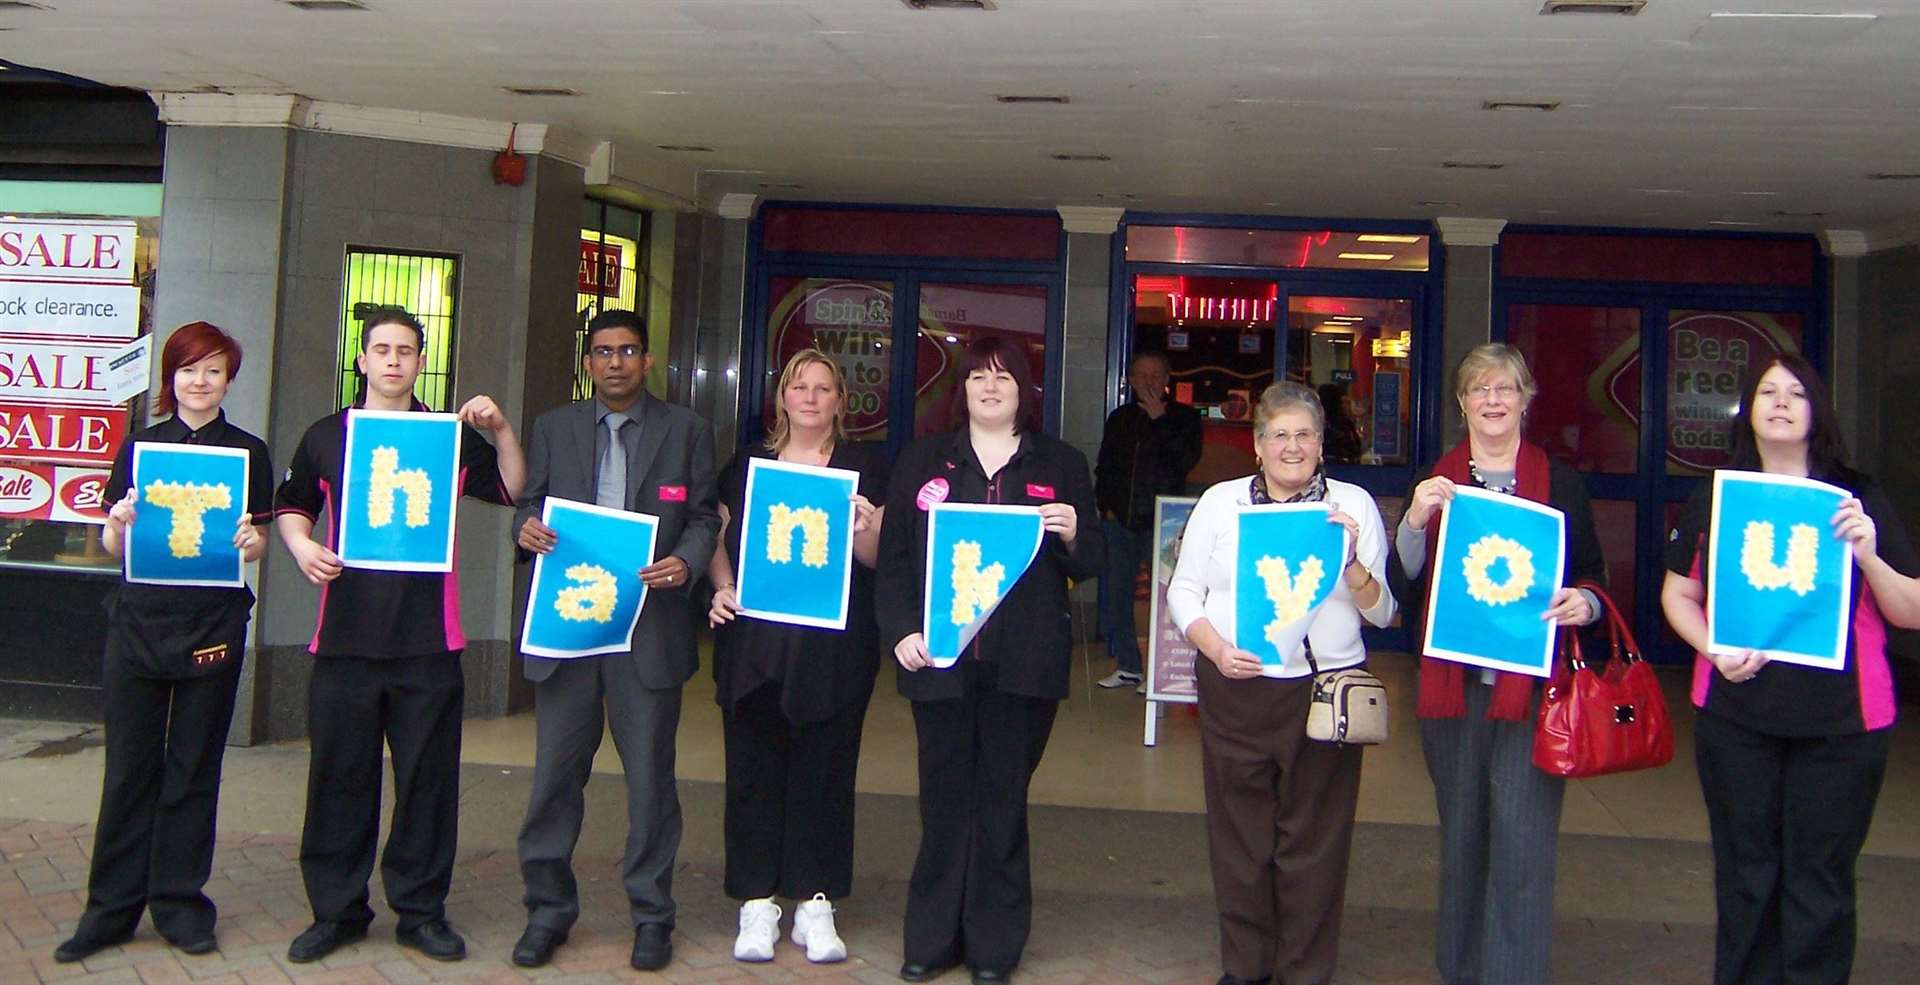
{"points": [[1778, 579]]}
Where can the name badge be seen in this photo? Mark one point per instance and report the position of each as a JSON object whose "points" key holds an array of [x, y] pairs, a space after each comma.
{"points": [[935, 491], [673, 494], [1039, 491]]}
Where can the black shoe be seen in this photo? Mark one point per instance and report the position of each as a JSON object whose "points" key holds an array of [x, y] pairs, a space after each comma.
{"points": [[322, 939], [535, 947], [80, 948], [992, 976], [204, 944], [914, 971], [652, 946], [434, 939]]}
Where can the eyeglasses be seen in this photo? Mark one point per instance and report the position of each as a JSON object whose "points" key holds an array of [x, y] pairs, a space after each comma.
{"points": [[1301, 438], [605, 352], [1505, 391]]}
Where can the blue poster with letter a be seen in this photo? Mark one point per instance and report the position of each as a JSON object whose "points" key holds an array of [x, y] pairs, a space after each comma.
{"points": [[401, 483], [587, 594]]}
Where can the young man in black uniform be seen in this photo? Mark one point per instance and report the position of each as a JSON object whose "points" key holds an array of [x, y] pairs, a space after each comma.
{"points": [[387, 667]]}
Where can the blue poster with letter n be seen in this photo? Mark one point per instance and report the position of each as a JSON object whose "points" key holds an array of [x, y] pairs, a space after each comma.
{"points": [[1288, 561], [401, 482], [796, 543], [1497, 564], [188, 503], [587, 595], [1777, 578], [975, 553]]}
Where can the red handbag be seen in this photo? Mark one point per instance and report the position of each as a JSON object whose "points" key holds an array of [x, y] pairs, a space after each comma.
{"points": [[1591, 722]]}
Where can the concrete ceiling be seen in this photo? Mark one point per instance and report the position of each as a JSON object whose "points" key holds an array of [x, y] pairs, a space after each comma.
{"points": [[1337, 108]]}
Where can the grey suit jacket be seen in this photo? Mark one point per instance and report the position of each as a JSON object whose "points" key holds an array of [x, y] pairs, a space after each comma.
{"points": [[671, 476]]}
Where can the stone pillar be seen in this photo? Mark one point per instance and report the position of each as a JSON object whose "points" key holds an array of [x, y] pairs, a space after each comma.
{"points": [[1086, 387], [1854, 380], [1468, 318]]}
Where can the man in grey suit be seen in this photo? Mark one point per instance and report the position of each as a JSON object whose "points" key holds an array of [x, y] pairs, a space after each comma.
{"points": [[624, 449]]}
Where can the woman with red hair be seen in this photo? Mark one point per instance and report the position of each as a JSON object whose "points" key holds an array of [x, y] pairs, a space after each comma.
{"points": [[171, 670]]}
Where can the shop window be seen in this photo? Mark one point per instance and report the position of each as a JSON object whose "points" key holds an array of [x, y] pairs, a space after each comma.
{"points": [[613, 274], [884, 232], [953, 316], [1586, 367], [1659, 259], [849, 320], [1357, 353], [1710, 355], [1296, 248], [426, 286]]}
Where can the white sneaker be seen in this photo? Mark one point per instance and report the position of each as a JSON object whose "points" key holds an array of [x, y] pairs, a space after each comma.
{"points": [[759, 929], [813, 930], [1119, 678]]}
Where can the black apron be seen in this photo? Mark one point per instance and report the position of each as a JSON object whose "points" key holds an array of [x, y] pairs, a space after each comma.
{"points": [[171, 633]]}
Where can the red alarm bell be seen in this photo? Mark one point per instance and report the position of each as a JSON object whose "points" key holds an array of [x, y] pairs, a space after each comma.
{"points": [[510, 168]]}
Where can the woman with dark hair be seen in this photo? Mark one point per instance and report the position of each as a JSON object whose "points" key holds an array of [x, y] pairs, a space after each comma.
{"points": [[1791, 757], [1343, 442], [171, 670], [793, 699], [983, 723], [1499, 814]]}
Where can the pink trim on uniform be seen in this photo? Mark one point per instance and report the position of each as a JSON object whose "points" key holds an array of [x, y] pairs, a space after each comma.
{"points": [[1877, 707], [450, 585], [320, 614], [1702, 667]]}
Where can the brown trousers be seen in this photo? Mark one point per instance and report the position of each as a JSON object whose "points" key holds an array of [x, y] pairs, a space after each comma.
{"points": [[1279, 827]]}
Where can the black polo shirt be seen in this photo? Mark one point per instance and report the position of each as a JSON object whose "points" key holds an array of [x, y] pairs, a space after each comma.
{"points": [[157, 628], [381, 614]]}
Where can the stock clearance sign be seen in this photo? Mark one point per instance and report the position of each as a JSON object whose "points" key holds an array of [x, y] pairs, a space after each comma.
{"points": [[67, 303]]}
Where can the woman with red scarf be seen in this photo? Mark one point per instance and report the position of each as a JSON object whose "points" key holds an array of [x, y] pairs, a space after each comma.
{"points": [[1499, 816]]}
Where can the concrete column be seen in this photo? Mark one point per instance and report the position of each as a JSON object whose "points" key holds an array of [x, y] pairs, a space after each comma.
{"points": [[1854, 380], [1468, 315], [1083, 380]]}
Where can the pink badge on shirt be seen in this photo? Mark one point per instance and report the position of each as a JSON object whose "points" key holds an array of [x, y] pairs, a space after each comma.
{"points": [[673, 494], [1038, 491], [935, 491]]}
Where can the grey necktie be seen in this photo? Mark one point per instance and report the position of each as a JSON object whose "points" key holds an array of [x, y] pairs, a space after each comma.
{"points": [[611, 491]]}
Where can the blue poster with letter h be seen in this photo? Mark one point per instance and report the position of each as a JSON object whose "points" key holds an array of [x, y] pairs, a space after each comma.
{"points": [[1778, 578], [401, 482], [796, 543], [1289, 559]]}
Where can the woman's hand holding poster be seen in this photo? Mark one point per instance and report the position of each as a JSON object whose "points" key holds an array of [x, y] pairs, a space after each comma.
{"points": [[402, 481], [974, 555], [1290, 558], [796, 543], [1778, 579], [190, 499], [1498, 562], [587, 594]]}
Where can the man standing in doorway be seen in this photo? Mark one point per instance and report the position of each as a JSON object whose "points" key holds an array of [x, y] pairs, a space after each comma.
{"points": [[386, 668], [624, 449], [1149, 446]]}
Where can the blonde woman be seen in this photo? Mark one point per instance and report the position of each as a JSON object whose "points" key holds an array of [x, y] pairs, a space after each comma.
{"points": [[793, 698]]}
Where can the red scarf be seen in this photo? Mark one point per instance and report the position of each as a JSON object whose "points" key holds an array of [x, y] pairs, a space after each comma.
{"points": [[1443, 692]]}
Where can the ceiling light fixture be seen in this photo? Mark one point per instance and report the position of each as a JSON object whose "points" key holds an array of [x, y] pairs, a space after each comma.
{"points": [[1382, 257], [1730, 222], [1894, 176], [1472, 165], [21, 5], [1759, 16], [541, 90], [319, 6], [781, 185], [951, 4], [1438, 205], [1385, 238], [1014, 99], [1083, 158], [685, 148], [1625, 7], [1800, 215], [1513, 106]]}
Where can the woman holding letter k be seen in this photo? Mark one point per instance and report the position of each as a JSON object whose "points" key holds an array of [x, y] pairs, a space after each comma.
{"points": [[793, 698], [1499, 814], [1280, 806], [1791, 757]]}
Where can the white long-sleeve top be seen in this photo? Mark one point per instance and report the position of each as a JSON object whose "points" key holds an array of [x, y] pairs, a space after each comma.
{"points": [[1203, 576]]}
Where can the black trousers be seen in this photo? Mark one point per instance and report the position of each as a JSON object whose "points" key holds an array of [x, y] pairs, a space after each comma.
{"points": [[353, 704], [1788, 818], [971, 894], [153, 845], [789, 820]]}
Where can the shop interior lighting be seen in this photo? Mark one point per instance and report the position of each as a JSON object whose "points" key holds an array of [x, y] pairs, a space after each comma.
{"points": [[1382, 257], [319, 6], [1513, 106], [1386, 238], [951, 4], [541, 90], [1625, 7]]}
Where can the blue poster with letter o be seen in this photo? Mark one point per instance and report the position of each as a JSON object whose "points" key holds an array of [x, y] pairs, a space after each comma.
{"points": [[1497, 564]]}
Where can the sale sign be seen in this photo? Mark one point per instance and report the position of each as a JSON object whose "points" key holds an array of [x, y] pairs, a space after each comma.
{"points": [[68, 372], [52, 249], [48, 433], [52, 492]]}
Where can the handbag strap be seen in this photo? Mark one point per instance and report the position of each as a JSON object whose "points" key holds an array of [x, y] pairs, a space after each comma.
{"points": [[1306, 649], [1619, 632]]}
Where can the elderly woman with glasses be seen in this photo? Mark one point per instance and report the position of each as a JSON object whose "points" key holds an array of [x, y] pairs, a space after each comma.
{"points": [[1499, 815], [1279, 806]]}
